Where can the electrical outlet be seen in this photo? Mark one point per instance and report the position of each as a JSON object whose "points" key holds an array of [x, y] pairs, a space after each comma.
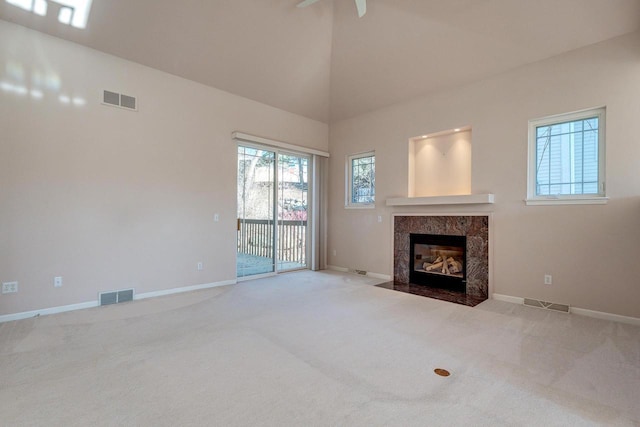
{"points": [[334, 252], [548, 280], [379, 218], [10, 287], [216, 217], [57, 281], [200, 266]]}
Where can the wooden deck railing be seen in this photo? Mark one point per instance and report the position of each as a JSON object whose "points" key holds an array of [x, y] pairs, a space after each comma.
{"points": [[255, 237]]}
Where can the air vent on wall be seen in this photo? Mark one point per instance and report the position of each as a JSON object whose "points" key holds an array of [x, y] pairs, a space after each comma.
{"points": [[119, 100], [107, 298]]}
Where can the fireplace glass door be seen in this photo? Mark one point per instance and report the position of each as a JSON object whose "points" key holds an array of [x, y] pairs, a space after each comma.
{"points": [[438, 261]]}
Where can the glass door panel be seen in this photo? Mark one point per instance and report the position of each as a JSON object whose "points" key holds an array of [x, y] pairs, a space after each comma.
{"points": [[293, 191], [256, 211]]}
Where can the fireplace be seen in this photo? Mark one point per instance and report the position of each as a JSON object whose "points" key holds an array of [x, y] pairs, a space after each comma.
{"points": [[438, 261], [472, 228]]}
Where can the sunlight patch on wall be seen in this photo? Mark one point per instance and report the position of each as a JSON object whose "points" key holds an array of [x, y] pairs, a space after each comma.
{"points": [[13, 88], [70, 12], [16, 81]]}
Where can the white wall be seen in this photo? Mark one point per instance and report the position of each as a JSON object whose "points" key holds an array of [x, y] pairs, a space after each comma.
{"points": [[591, 250], [109, 198]]}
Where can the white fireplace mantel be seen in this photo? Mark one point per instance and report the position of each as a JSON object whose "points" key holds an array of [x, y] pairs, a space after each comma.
{"points": [[466, 199]]}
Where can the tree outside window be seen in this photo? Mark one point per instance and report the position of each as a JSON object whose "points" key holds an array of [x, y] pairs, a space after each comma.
{"points": [[361, 180]]}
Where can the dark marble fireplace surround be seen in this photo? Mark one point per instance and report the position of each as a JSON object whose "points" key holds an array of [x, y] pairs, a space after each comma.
{"points": [[475, 228]]}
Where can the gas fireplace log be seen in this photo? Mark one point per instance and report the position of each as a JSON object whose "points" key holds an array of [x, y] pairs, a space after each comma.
{"points": [[445, 268], [445, 265], [434, 266], [455, 267], [451, 266]]}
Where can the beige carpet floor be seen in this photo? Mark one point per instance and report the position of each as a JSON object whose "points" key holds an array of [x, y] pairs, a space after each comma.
{"points": [[316, 349]]}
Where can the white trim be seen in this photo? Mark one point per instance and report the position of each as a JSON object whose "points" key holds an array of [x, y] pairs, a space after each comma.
{"points": [[578, 311], [489, 214], [173, 291], [606, 316], [508, 298], [239, 136], [350, 271], [465, 199], [379, 276], [92, 304], [567, 201], [361, 206], [46, 311]]}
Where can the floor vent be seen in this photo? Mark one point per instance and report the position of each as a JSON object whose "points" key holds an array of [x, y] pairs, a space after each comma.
{"points": [[115, 297], [361, 272], [546, 305], [442, 372], [119, 100]]}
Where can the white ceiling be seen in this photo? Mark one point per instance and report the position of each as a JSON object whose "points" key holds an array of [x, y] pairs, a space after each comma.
{"points": [[322, 61]]}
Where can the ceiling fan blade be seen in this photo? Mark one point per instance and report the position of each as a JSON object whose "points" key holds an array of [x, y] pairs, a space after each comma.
{"points": [[361, 5], [306, 3]]}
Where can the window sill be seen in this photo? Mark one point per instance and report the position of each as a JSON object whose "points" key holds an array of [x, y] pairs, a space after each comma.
{"points": [[367, 206], [568, 201]]}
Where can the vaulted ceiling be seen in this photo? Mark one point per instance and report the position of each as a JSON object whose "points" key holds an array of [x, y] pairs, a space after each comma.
{"points": [[325, 63]]}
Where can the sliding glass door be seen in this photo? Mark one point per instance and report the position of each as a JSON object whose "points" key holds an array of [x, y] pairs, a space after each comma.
{"points": [[293, 192], [256, 211], [273, 190]]}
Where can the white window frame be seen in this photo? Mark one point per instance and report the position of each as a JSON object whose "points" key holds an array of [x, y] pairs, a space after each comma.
{"points": [[600, 197], [349, 204]]}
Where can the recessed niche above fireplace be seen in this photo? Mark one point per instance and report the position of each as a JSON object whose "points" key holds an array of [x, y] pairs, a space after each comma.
{"points": [[440, 164], [439, 171]]}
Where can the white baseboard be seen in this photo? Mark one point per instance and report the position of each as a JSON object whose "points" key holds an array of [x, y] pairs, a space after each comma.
{"points": [[379, 276], [606, 316], [508, 298], [46, 311], [91, 304], [579, 311], [369, 273], [183, 289]]}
